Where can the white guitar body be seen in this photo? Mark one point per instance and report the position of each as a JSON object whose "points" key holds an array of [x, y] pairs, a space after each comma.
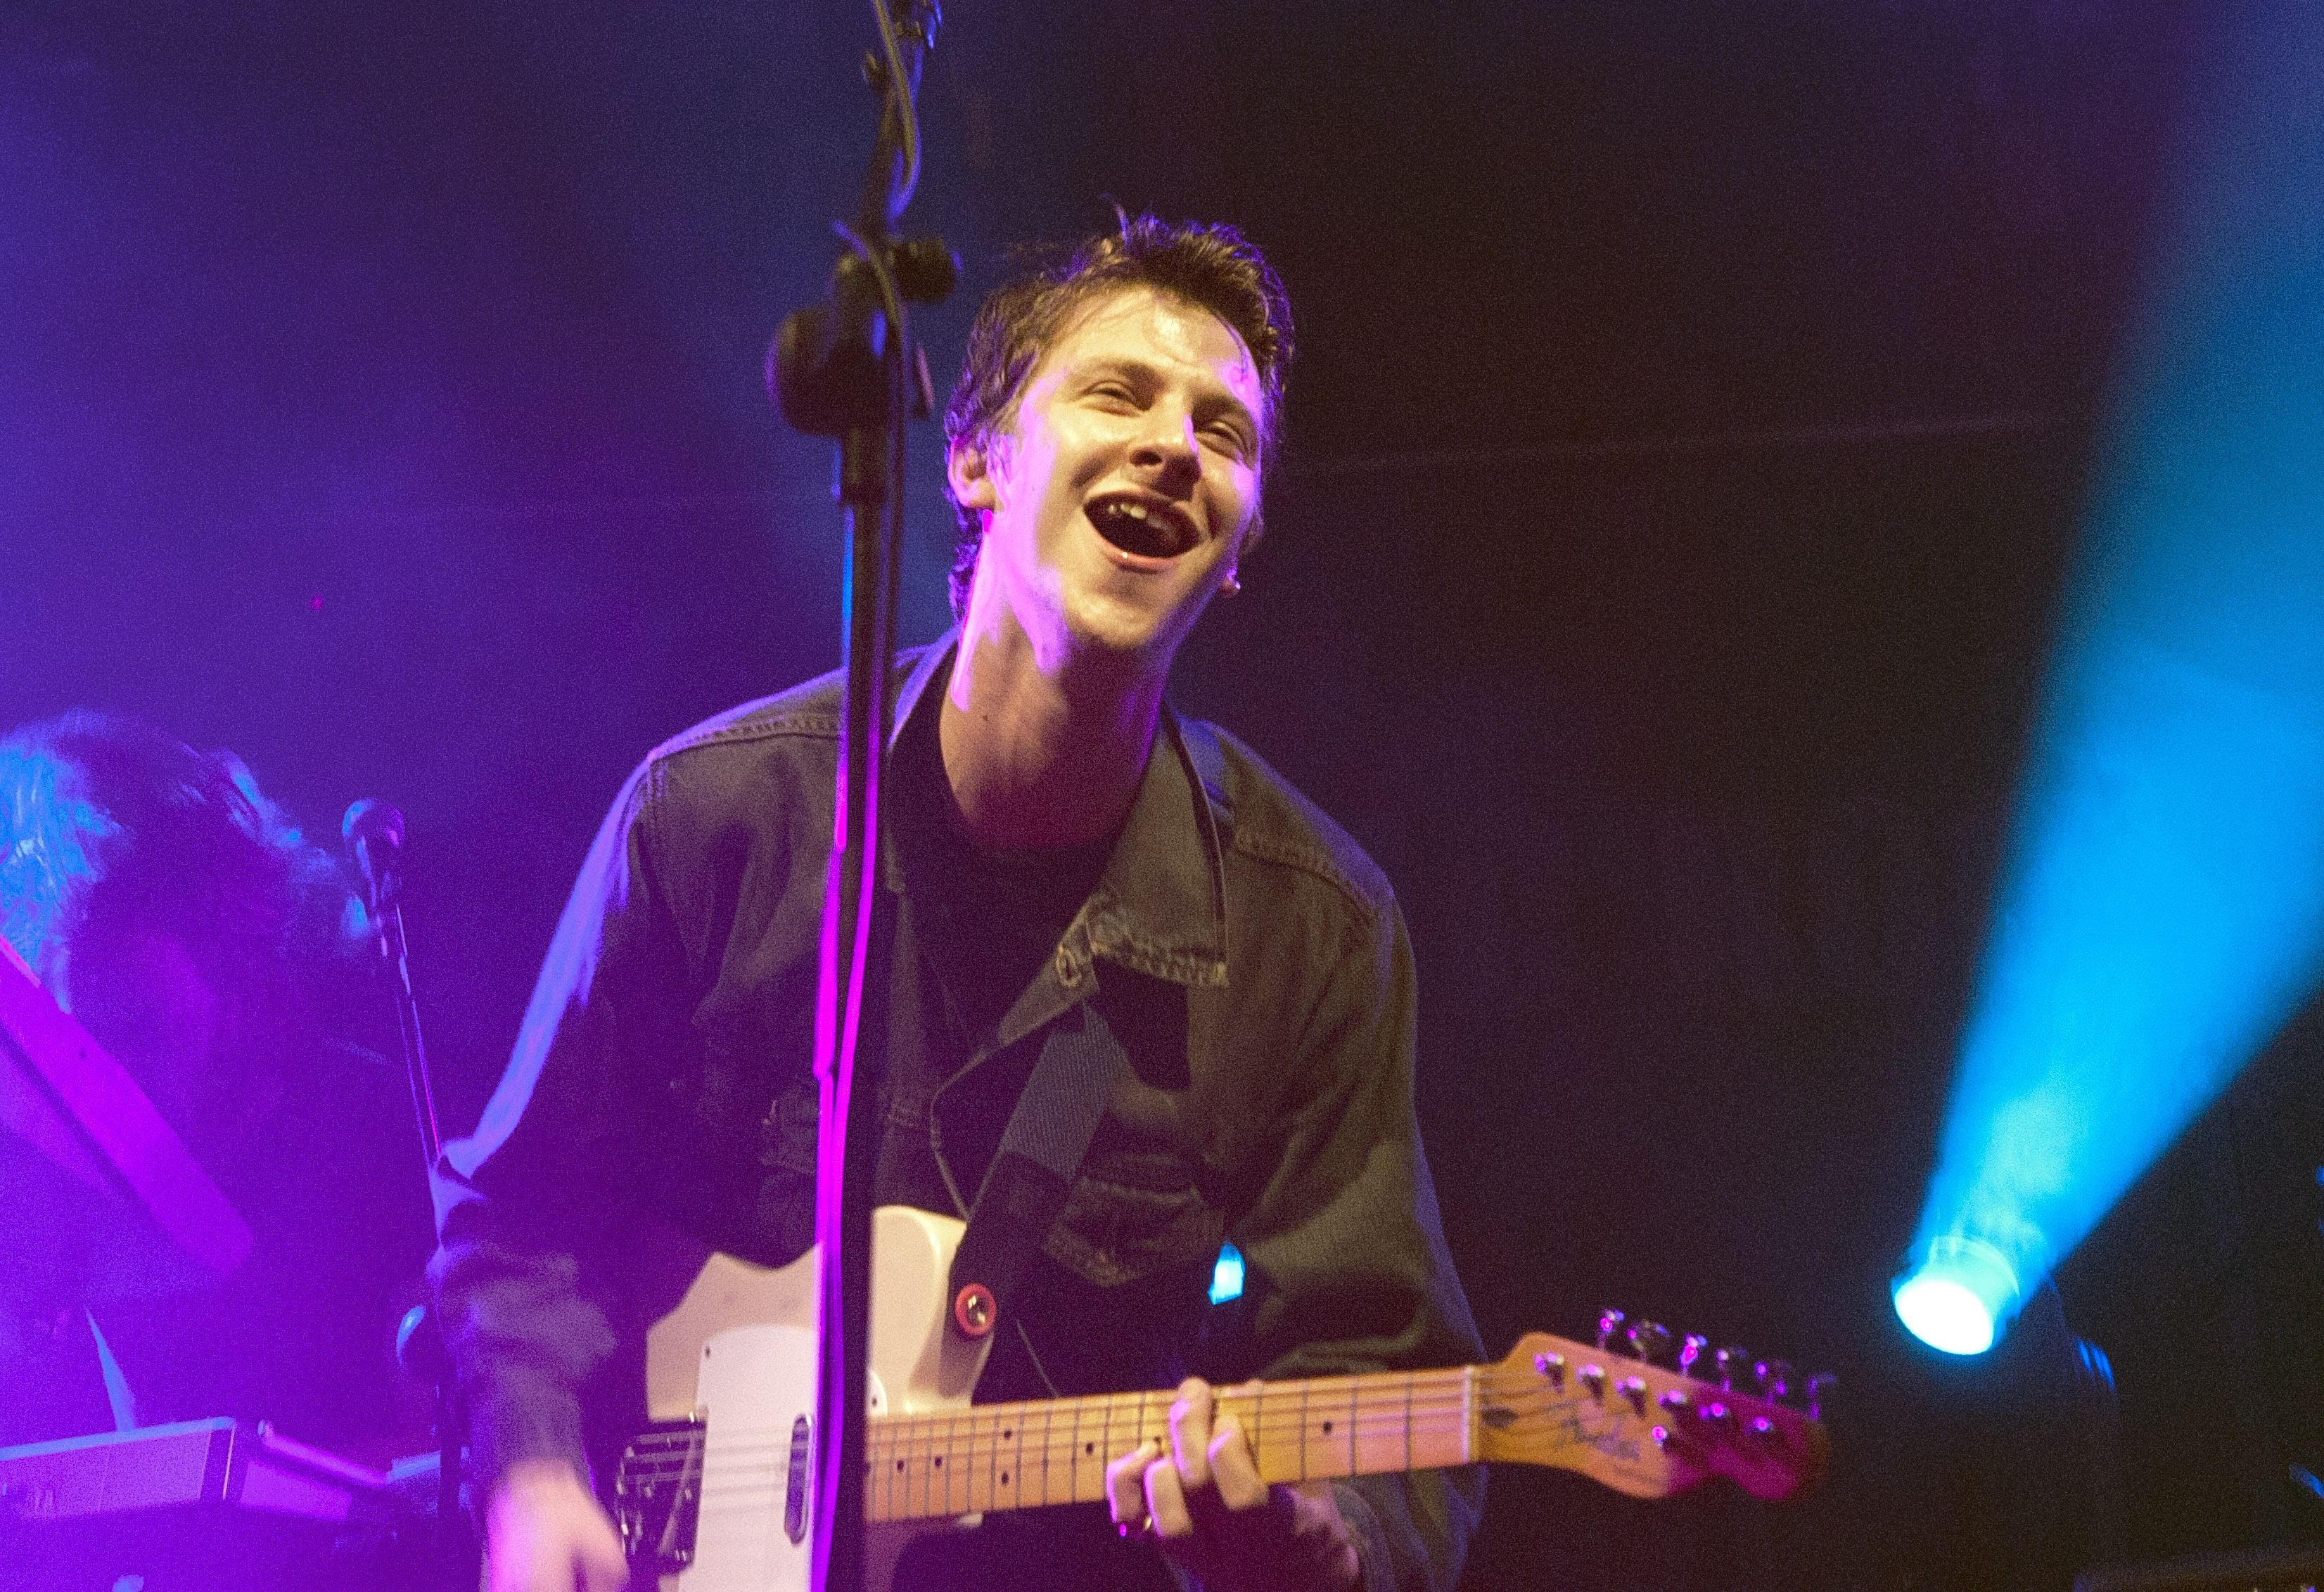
{"points": [[738, 1355]]}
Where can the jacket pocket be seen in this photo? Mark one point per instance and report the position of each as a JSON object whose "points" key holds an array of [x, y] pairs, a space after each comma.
{"points": [[1132, 1214]]}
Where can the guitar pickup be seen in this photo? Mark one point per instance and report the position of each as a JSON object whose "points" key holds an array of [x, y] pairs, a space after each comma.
{"points": [[657, 1494]]}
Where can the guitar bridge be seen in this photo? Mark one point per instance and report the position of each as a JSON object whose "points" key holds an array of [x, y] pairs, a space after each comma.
{"points": [[658, 1495]]}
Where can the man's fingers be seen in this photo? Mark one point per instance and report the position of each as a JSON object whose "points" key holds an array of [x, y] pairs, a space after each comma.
{"points": [[602, 1567], [1166, 1501], [1233, 1471], [545, 1533], [1125, 1486], [1190, 1434]]}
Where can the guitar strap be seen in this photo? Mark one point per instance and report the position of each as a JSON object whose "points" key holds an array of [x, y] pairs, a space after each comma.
{"points": [[1041, 1150], [1048, 1135]]}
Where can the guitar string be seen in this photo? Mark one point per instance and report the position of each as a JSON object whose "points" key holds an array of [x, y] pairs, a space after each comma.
{"points": [[1001, 1489], [986, 1433], [988, 1423], [942, 1432], [959, 1496], [994, 1418], [1368, 1431], [926, 1507], [733, 1473], [965, 1457], [1006, 1496], [673, 1450]]}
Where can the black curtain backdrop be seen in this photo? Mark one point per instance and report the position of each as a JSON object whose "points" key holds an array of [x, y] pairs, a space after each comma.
{"points": [[1696, 411]]}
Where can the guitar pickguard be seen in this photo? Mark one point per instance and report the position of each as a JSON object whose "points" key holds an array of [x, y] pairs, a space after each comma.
{"points": [[716, 1497]]}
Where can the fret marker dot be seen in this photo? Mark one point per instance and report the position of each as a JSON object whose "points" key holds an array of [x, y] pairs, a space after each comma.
{"points": [[1005, 1434], [1327, 1429], [938, 1461], [899, 1464], [1004, 1478], [1089, 1447]]}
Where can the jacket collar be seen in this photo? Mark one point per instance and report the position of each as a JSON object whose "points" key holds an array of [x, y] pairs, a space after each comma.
{"points": [[1160, 904]]}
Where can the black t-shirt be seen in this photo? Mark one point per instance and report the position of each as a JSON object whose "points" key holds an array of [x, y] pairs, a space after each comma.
{"points": [[985, 922], [995, 917]]}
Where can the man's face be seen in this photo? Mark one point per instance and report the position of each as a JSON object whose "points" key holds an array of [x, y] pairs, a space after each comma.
{"points": [[1119, 493]]}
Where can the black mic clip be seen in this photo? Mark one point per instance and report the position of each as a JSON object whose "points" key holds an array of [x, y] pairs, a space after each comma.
{"points": [[374, 833], [825, 366]]}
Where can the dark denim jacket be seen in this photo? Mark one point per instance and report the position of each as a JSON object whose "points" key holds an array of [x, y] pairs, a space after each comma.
{"points": [[1250, 955]]}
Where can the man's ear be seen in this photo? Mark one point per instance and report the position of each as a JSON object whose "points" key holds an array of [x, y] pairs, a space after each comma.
{"points": [[968, 467], [1251, 534]]}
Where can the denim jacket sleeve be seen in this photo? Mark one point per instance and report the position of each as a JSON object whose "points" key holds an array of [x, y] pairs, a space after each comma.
{"points": [[1345, 1234], [524, 1205]]}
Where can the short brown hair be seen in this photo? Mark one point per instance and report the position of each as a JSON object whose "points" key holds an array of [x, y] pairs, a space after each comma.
{"points": [[1213, 267]]}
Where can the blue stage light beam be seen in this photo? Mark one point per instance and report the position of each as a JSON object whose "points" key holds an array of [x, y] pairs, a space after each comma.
{"points": [[2162, 908]]}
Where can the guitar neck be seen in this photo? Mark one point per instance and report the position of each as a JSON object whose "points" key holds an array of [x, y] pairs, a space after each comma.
{"points": [[1022, 1456]]}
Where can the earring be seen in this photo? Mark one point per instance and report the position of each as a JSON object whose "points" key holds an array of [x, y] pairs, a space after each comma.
{"points": [[1229, 585]]}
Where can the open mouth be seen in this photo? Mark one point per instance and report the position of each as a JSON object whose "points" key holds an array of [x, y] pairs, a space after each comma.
{"points": [[1148, 529]]}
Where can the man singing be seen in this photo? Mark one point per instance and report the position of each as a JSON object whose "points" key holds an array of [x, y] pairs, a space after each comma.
{"points": [[1058, 837]]}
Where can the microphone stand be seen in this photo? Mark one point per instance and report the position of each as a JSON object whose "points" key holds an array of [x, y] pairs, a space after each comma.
{"points": [[374, 833], [847, 369]]}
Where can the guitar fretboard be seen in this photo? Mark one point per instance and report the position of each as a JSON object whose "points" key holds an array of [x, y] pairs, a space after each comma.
{"points": [[1023, 1456]]}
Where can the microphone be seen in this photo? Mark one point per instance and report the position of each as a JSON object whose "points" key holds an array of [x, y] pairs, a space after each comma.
{"points": [[374, 833]]}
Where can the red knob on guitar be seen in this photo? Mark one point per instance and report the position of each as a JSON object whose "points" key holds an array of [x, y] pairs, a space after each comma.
{"points": [[973, 1312]]}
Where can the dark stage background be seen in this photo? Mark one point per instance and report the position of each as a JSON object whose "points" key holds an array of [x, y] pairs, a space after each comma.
{"points": [[1694, 419]]}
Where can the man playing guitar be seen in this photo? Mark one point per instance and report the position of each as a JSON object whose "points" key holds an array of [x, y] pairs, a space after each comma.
{"points": [[1059, 838]]}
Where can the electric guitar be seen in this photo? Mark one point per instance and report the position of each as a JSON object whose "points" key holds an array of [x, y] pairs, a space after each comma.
{"points": [[714, 1495]]}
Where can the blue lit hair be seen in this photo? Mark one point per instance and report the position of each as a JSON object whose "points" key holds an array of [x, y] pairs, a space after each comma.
{"points": [[103, 820]]}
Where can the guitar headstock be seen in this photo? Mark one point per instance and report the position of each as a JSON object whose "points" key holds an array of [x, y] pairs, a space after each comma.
{"points": [[1639, 1427]]}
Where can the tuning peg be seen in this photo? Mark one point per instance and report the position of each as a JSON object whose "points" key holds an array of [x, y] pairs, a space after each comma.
{"points": [[1608, 1323], [1692, 1350], [1731, 1362], [1819, 1386], [1774, 1376], [1648, 1340]]}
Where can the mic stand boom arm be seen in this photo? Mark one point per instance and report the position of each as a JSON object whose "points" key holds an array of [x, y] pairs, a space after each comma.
{"points": [[847, 369]]}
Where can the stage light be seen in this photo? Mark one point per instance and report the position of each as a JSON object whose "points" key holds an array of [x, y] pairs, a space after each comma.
{"points": [[1226, 1274], [2160, 908], [1959, 1297]]}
